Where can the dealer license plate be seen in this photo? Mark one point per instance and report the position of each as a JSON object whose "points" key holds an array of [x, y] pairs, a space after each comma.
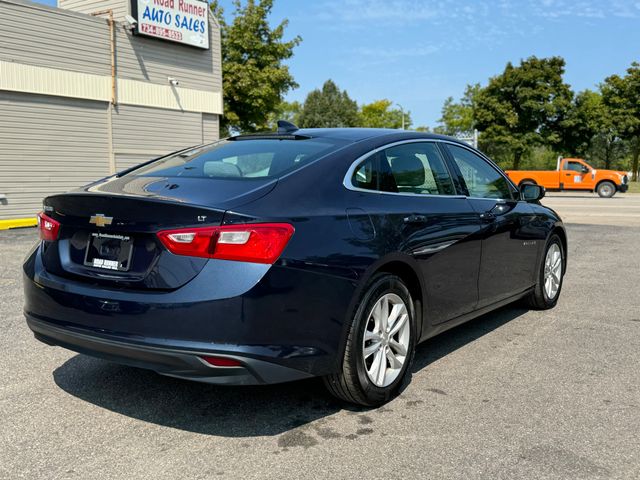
{"points": [[109, 252]]}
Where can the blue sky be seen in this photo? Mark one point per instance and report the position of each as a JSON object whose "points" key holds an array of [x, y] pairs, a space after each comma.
{"points": [[418, 52]]}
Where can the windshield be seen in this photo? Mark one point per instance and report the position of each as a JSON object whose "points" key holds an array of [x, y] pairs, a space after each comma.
{"points": [[241, 159]]}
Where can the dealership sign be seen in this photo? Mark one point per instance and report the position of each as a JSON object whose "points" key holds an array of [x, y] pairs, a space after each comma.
{"points": [[182, 21]]}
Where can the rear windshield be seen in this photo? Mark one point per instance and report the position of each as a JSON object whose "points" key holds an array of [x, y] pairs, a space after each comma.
{"points": [[241, 159]]}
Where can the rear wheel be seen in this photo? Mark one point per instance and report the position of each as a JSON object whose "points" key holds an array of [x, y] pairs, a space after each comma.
{"points": [[380, 345], [606, 189], [547, 290]]}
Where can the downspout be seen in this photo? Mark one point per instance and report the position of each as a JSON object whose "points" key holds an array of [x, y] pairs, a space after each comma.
{"points": [[112, 38], [113, 102]]}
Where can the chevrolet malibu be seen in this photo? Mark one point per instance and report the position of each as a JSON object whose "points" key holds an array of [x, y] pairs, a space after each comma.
{"points": [[282, 256]]}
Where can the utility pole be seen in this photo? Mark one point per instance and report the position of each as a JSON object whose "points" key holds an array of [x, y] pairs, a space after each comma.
{"points": [[402, 112]]}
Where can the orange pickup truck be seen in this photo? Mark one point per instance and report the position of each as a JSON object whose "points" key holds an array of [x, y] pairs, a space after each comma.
{"points": [[574, 174]]}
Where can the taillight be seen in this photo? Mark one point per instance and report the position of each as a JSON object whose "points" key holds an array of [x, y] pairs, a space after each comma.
{"points": [[48, 227], [257, 243]]}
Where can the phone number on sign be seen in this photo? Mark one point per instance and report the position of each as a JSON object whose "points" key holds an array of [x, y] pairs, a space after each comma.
{"points": [[161, 32]]}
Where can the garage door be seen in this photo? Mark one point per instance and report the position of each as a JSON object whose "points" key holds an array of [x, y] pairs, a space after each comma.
{"points": [[143, 133], [48, 145]]}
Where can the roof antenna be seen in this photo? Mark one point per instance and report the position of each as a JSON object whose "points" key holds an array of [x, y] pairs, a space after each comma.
{"points": [[286, 127]]}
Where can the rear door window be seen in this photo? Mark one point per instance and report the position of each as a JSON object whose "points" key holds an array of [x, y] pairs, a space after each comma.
{"points": [[413, 168], [241, 159], [417, 168]]}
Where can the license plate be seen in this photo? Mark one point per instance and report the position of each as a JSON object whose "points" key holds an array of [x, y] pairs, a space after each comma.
{"points": [[109, 252]]}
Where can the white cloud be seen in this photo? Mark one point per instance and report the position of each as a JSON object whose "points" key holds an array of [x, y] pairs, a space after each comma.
{"points": [[358, 13]]}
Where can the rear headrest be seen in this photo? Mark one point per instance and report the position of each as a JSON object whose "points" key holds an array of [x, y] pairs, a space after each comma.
{"points": [[408, 170], [221, 169]]}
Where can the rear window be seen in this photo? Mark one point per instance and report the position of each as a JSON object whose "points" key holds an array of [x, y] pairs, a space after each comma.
{"points": [[241, 159]]}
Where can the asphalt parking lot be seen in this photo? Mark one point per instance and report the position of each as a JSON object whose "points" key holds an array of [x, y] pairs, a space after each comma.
{"points": [[513, 394]]}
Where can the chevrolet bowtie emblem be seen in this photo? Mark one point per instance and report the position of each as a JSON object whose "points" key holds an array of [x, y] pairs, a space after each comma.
{"points": [[99, 220]]}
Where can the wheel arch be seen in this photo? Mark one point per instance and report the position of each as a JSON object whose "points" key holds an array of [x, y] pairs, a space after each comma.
{"points": [[412, 280], [402, 266], [608, 180]]}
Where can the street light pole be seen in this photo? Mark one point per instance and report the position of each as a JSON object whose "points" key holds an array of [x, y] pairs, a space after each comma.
{"points": [[402, 112]]}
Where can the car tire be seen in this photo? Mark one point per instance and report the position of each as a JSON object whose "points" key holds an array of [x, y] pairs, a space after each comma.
{"points": [[359, 381], [606, 189], [550, 276]]}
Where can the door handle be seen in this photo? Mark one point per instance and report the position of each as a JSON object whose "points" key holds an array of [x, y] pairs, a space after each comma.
{"points": [[568, 174], [487, 217], [416, 219]]}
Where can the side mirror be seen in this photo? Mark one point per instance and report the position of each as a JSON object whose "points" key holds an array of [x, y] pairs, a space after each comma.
{"points": [[585, 169], [532, 193]]}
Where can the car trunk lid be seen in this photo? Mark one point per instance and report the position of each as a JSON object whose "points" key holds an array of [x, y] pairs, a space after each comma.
{"points": [[108, 230]]}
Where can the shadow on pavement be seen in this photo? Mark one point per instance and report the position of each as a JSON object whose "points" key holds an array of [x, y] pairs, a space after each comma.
{"points": [[234, 411]]}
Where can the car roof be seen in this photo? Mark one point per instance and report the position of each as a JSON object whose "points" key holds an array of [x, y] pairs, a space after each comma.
{"points": [[358, 134]]}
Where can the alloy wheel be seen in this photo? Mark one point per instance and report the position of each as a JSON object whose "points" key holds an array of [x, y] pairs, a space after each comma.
{"points": [[385, 344], [552, 271]]}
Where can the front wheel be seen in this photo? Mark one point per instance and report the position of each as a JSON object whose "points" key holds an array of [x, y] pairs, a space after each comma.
{"points": [[380, 345], [606, 189], [547, 290]]}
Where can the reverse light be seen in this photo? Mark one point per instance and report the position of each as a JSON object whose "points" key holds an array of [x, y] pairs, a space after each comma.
{"points": [[257, 243], [48, 228]]}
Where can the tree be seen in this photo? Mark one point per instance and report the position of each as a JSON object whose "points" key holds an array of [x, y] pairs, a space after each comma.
{"points": [[327, 108], [457, 118], [289, 111], [379, 114], [523, 107], [588, 130], [607, 150], [622, 97], [584, 120], [254, 76]]}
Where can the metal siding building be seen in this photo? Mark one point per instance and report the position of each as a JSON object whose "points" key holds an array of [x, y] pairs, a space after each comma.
{"points": [[58, 127]]}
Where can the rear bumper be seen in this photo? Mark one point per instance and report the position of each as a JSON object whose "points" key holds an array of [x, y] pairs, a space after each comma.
{"points": [[282, 323], [175, 362]]}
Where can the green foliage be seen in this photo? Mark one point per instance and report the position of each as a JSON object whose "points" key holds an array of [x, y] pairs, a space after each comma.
{"points": [[608, 151], [634, 187], [587, 117], [522, 108], [622, 96], [589, 131], [254, 76], [458, 118], [540, 158], [379, 114], [289, 111], [327, 108]]}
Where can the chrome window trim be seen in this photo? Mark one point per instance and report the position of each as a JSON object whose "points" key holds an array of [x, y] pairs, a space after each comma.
{"points": [[346, 182]]}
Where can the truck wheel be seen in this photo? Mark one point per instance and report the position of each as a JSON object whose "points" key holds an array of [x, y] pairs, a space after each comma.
{"points": [[606, 189], [547, 290], [380, 345]]}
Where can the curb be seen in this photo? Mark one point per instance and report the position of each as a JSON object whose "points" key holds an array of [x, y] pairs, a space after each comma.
{"points": [[18, 223]]}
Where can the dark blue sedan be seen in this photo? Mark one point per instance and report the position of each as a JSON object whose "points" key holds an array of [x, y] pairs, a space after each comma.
{"points": [[275, 257]]}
